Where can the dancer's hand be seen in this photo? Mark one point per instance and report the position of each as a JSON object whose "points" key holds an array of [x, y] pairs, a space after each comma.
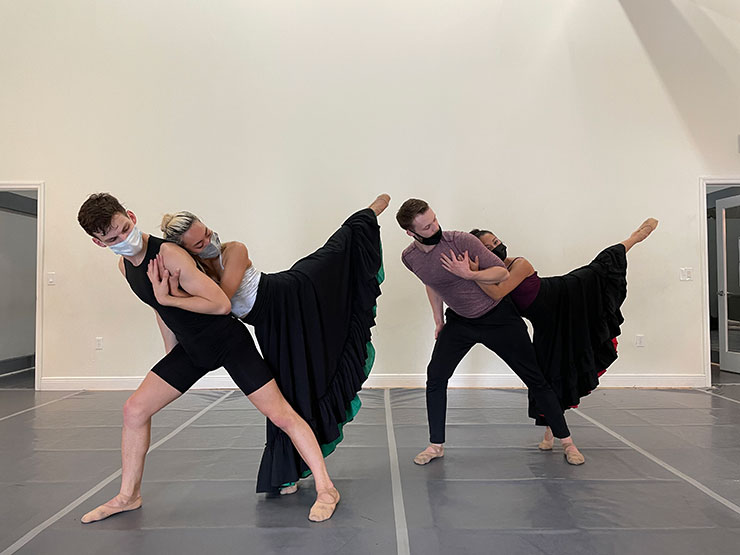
{"points": [[174, 282], [474, 265], [160, 282], [438, 329], [460, 266], [174, 279]]}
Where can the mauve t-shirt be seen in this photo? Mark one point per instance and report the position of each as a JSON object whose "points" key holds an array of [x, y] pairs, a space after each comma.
{"points": [[461, 295]]}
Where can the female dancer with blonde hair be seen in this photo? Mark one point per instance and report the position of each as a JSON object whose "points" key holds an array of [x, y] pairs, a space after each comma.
{"points": [[312, 323]]}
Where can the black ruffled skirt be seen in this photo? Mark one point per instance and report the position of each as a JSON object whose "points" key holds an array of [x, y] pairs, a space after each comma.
{"points": [[576, 318], [312, 323]]}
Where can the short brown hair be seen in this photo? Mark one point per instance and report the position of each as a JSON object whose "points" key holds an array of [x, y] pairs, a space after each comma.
{"points": [[409, 210], [97, 212]]}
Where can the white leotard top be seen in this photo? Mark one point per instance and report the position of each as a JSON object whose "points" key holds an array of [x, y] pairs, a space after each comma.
{"points": [[244, 298]]}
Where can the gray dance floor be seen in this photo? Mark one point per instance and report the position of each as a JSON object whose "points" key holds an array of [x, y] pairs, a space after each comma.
{"points": [[661, 477]]}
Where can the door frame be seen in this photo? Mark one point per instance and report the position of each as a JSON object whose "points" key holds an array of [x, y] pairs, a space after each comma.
{"points": [[705, 182], [39, 187]]}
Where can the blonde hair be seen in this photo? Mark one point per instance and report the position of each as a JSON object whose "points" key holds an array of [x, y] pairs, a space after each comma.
{"points": [[174, 226]]}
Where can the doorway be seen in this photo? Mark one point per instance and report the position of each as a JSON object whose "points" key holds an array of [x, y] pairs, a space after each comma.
{"points": [[723, 257], [20, 240]]}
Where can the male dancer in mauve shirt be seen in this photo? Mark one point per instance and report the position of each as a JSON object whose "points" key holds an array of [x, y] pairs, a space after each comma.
{"points": [[471, 317]]}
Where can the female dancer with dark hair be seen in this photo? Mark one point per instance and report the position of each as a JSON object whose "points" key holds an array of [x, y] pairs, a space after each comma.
{"points": [[312, 323], [576, 318]]}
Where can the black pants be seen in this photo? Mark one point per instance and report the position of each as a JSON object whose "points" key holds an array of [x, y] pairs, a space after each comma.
{"points": [[503, 331]]}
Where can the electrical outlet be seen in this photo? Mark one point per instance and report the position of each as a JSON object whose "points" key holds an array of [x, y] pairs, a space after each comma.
{"points": [[639, 340], [686, 274], [98, 343]]}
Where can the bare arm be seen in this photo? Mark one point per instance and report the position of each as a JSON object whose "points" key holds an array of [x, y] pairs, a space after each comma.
{"points": [[494, 274], [461, 268], [437, 310], [167, 336], [236, 261], [520, 270], [206, 297]]}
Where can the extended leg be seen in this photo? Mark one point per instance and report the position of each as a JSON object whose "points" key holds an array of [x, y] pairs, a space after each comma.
{"points": [[507, 336], [273, 405], [152, 395]]}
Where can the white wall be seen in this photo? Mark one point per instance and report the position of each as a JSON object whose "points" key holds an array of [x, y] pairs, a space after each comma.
{"points": [[17, 285], [560, 124]]}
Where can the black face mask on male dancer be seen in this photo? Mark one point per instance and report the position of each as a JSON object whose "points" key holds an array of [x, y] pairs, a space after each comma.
{"points": [[433, 240]]}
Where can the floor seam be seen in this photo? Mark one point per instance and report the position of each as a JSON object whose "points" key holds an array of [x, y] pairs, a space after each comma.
{"points": [[720, 396], [31, 534], [673, 470], [402, 531], [39, 406]]}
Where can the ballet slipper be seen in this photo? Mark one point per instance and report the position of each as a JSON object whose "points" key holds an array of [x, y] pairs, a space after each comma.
{"points": [[427, 455], [380, 204], [546, 445], [289, 490], [104, 511], [573, 455], [645, 229], [547, 441], [322, 510]]}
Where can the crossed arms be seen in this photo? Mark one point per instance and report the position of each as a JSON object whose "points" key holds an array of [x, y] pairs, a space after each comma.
{"points": [[203, 295]]}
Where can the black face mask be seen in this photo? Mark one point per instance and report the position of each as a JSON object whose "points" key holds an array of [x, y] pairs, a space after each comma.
{"points": [[433, 240], [500, 251]]}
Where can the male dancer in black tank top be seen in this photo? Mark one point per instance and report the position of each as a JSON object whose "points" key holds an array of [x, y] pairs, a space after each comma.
{"points": [[196, 343]]}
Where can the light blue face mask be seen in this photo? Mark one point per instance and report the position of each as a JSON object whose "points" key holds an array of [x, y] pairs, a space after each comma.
{"points": [[131, 245], [212, 249]]}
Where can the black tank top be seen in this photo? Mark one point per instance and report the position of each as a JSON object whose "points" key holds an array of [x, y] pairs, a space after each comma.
{"points": [[187, 326]]}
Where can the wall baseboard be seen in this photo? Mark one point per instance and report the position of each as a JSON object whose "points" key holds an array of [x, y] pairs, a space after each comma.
{"points": [[386, 380], [511, 381], [120, 383]]}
